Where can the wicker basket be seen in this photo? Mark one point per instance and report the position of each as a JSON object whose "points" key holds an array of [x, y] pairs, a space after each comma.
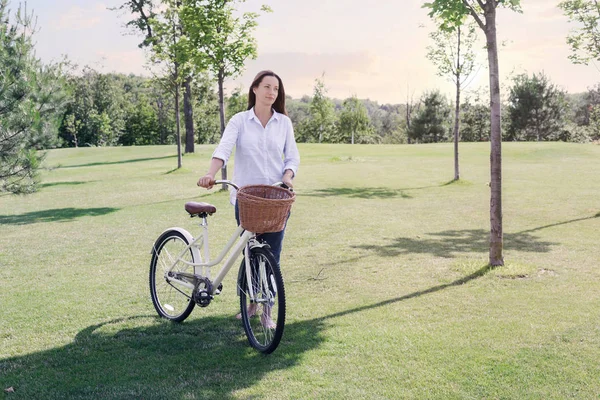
{"points": [[264, 208]]}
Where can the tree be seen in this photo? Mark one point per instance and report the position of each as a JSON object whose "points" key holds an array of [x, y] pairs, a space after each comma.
{"points": [[411, 108], [237, 101], [452, 14], [223, 41], [585, 40], [585, 115], [592, 108], [595, 122], [117, 109], [145, 13], [207, 107], [453, 55], [31, 98], [96, 115], [393, 127], [141, 125], [431, 125], [320, 124], [475, 121], [354, 122], [298, 111], [537, 109], [172, 47]]}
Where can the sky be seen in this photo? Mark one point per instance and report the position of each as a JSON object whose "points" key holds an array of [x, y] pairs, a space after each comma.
{"points": [[370, 49]]}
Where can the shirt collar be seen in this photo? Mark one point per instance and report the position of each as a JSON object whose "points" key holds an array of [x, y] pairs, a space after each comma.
{"points": [[275, 115]]}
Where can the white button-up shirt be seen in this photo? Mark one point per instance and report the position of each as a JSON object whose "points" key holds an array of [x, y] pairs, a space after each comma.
{"points": [[262, 154]]}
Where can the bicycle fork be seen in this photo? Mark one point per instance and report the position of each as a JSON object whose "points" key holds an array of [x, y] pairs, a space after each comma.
{"points": [[260, 272], [248, 272]]}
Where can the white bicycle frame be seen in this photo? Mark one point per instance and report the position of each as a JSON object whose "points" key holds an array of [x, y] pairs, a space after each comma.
{"points": [[244, 238]]}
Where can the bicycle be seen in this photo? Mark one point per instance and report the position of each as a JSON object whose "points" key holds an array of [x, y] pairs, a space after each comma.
{"points": [[180, 276]]}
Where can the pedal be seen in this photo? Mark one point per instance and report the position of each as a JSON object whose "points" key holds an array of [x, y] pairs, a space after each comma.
{"points": [[202, 298], [219, 289]]}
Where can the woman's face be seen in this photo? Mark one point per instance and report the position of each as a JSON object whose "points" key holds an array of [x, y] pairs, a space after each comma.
{"points": [[267, 90]]}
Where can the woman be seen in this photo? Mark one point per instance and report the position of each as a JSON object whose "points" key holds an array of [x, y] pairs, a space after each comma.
{"points": [[266, 150]]}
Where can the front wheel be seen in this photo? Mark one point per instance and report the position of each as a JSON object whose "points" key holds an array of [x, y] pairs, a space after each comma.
{"points": [[171, 279], [263, 318]]}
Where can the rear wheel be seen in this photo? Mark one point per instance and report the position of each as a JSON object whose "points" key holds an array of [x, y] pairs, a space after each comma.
{"points": [[263, 318], [172, 299]]}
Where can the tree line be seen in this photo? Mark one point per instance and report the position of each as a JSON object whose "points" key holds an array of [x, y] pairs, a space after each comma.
{"points": [[124, 110]]}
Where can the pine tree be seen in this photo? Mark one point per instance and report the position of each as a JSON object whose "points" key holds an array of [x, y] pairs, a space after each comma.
{"points": [[30, 95]]}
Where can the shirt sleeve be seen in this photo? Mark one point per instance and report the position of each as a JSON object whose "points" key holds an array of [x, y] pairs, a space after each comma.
{"points": [[229, 139], [291, 154]]}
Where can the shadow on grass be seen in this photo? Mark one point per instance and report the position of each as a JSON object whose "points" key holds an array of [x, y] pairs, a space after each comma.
{"points": [[55, 215], [74, 183], [477, 274], [207, 357], [372, 192], [449, 243], [204, 358], [133, 160], [561, 223], [361, 193]]}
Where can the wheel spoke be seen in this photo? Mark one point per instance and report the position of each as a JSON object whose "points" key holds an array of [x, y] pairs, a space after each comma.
{"points": [[171, 300], [265, 329]]}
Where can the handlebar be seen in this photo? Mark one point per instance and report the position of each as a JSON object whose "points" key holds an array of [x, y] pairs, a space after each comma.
{"points": [[226, 182], [236, 187]]}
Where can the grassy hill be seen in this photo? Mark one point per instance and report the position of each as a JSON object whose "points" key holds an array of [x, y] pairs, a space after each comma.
{"points": [[384, 260]]}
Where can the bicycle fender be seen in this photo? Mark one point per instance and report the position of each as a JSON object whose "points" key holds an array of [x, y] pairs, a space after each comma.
{"points": [[253, 243], [185, 234]]}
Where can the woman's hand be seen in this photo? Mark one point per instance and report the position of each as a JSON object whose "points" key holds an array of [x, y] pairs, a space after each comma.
{"points": [[287, 178], [207, 181]]}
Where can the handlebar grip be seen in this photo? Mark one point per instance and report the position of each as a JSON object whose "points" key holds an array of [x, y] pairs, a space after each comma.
{"points": [[283, 185]]}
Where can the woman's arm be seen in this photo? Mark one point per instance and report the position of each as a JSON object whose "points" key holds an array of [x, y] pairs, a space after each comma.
{"points": [[291, 157], [222, 152], [207, 180]]}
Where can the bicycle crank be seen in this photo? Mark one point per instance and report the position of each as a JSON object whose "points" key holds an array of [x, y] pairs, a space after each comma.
{"points": [[202, 293]]}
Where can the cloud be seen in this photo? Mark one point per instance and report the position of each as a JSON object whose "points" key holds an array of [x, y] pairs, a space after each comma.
{"points": [[311, 66], [299, 70], [543, 10], [385, 77], [126, 61], [79, 18]]}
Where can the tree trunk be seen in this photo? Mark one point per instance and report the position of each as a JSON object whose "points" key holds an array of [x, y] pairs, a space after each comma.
{"points": [[408, 112], [160, 107], [177, 122], [456, 131], [457, 109], [496, 258], [188, 114], [177, 130], [221, 78]]}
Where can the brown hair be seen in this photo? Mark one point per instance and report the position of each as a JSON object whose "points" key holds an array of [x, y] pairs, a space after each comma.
{"points": [[279, 104]]}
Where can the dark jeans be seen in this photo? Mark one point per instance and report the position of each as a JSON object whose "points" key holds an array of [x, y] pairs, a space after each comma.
{"points": [[274, 239]]}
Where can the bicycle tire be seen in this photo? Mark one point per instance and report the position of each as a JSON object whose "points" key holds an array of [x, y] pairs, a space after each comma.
{"points": [[171, 301], [269, 292]]}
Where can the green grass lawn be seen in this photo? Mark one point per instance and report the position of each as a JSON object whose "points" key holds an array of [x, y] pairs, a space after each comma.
{"points": [[388, 293]]}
